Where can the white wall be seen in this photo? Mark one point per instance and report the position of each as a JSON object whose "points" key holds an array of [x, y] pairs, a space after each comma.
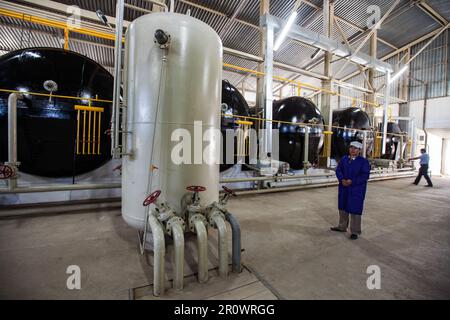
{"points": [[435, 152], [437, 125], [446, 159], [438, 113]]}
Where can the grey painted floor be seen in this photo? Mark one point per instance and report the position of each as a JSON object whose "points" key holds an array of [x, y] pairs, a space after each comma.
{"points": [[406, 232]]}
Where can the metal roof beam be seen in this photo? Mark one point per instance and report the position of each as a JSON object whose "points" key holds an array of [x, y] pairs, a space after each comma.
{"points": [[425, 7], [57, 6]]}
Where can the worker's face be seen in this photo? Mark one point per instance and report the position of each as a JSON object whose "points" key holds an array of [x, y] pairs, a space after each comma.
{"points": [[354, 152]]}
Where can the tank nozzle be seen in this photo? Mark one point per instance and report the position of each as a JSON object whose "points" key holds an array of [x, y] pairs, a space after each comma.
{"points": [[162, 38]]}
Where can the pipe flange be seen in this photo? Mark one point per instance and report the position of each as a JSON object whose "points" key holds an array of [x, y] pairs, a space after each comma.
{"points": [[214, 214], [164, 215], [175, 220], [194, 218]]}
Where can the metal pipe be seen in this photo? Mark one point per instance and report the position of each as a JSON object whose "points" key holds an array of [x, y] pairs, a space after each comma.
{"points": [[178, 241], [364, 148], [236, 242], [67, 187], [424, 119], [12, 138], [117, 80], [234, 180], [223, 244], [306, 150], [159, 252], [385, 111], [311, 186], [202, 244]]}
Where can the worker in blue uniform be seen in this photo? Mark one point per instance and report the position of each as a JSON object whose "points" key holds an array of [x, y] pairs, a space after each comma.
{"points": [[423, 171], [353, 173]]}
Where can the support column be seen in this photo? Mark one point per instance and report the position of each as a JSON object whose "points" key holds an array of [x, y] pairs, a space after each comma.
{"points": [[325, 106], [370, 109], [263, 9]]}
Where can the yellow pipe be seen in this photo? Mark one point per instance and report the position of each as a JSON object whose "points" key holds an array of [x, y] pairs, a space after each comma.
{"points": [[300, 83], [54, 95], [66, 39], [86, 108], [93, 133], [89, 134], [84, 129], [299, 88], [99, 129], [244, 122], [78, 131]]}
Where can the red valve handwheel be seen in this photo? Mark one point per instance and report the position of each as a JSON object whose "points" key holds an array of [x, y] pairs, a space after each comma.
{"points": [[5, 171], [229, 191], [196, 188], [151, 198]]}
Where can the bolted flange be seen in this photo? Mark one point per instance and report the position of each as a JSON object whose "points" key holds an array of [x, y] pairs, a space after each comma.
{"points": [[175, 220], [196, 217]]}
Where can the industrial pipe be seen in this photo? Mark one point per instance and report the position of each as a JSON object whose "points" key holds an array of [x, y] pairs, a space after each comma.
{"points": [[12, 138], [328, 184], [159, 252], [223, 244], [202, 244], [178, 243], [234, 180], [63, 187], [236, 242], [306, 151], [115, 118]]}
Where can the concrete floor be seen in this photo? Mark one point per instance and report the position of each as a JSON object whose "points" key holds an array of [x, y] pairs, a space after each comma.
{"points": [[286, 239]]}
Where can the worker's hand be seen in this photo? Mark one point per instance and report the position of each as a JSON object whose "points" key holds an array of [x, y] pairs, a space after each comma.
{"points": [[349, 182], [344, 183]]}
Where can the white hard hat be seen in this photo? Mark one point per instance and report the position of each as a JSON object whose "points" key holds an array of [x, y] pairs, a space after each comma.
{"points": [[356, 144]]}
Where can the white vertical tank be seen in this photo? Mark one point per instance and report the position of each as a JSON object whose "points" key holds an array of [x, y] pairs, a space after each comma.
{"points": [[165, 90]]}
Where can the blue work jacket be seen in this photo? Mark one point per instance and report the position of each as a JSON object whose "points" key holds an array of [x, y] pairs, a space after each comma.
{"points": [[351, 198]]}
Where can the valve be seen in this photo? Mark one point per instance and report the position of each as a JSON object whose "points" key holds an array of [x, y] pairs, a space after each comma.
{"points": [[227, 194], [6, 171], [151, 198], [196, 190]]}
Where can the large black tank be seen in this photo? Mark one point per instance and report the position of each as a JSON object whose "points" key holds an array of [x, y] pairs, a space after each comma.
{"points": [[47, 129], [348, 119], [393, 140], [233, 103], [291, 147]]}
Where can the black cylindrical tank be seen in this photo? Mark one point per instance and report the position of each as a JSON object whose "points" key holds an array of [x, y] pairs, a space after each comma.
{"points": [[233, 104], [291, 137], [347, 120], [393, 140], [47, 127]]}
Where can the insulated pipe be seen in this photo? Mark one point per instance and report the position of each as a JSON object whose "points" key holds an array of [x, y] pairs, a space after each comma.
{"points": [[178, 241], [115, 119], [159, 252], [236, 242], [233, 180], [202, 244], [306, 150], [12, 137], [62, 187], [320, 185], [223, 244]]}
